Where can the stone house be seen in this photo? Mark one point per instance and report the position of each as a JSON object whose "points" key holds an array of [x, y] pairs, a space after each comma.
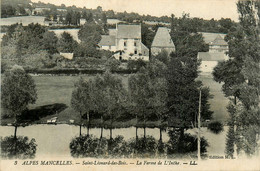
{"points": [[162, 41], [126, 41]]}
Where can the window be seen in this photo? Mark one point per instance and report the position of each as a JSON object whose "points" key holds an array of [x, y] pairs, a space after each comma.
{"points": [[120, 58], [135, 51], [124, 43], [134, 43], [120, 53]]}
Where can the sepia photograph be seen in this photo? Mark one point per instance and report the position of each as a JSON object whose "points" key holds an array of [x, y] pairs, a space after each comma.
{"points": [[130, 85]]}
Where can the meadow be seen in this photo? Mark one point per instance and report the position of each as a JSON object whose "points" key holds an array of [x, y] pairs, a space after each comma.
{"points": [[58, 89], [22, 19]]}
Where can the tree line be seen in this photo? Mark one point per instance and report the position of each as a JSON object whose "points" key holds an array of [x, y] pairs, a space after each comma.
{"points": [[241, 82]]}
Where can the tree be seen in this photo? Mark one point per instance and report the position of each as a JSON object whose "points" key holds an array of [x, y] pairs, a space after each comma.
{"points": [[104, 18], [182, 73], [90, 33], [89, 17], [240, 75], [99, 103], [112, 64], [138, 89], [114, 97], [148, 93], [18, 90], [66, 43], [86, 49], [68, 18], [49, 42], [147, 35], [82, 99], [158, 90]]}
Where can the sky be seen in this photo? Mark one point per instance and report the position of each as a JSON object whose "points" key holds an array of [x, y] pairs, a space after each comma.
{"points": [[206, 9]]}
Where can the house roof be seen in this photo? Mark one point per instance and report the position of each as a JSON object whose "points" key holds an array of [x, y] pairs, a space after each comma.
{"points": [[210, 37], [209, 56], [112, 32], [219, 41], [162, 38], [107, 40], [129, 31]]}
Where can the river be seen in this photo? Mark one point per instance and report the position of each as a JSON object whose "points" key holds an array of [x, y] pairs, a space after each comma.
{"points": [[54, 140]]}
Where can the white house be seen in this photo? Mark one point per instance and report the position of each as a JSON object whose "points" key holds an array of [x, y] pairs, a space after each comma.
{"points": [[126, 41], [162, 41], [209, 61]]}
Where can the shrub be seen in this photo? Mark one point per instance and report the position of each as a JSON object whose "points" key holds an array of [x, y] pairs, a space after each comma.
{"points": [[112, 64], [19, 148], [88, 146], [135, 64], [118, 147], [215, 127], [186, 144], [144, 147]]}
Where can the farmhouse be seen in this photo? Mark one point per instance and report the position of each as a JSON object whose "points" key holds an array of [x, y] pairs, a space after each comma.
{"points": [[210, 37], [162, 41], [209, 60], [126, 41], [218, 45]]}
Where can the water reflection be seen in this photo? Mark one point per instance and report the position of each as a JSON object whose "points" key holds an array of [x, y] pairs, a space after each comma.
{"points": [[145, 147], [18, 148]]}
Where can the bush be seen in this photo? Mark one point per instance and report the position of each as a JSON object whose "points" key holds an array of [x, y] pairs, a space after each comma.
{"points": [[144, 147], [88, 146], [19, 148], [215, 127], [186, 144], [112, 64], [117, 147], [135, 65]]}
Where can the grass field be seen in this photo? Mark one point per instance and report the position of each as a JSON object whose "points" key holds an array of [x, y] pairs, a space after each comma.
{"points": [[219, 102], [23, 19], [58, 89]]}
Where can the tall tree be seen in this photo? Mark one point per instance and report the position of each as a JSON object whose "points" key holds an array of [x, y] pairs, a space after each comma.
{"points": [[68, 18], [82, 100], [49, 42], [240, 75], [148, 93], [66, 43], [18, 90], [182, 74], [90, 32], [114, 97]]}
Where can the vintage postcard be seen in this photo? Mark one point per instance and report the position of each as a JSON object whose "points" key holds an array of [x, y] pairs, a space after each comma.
{"points": [[130, 85]]}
